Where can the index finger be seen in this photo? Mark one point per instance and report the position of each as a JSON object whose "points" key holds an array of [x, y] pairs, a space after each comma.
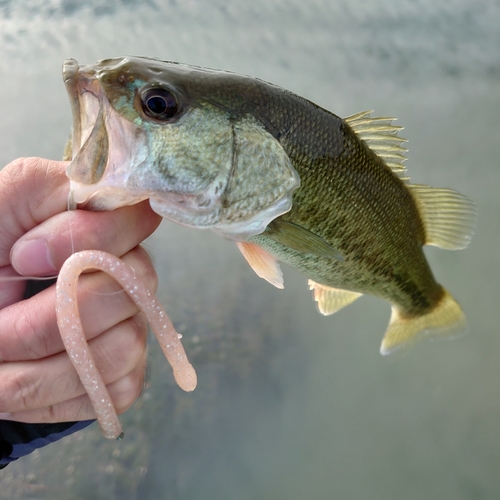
{"points": [[31, 191]]}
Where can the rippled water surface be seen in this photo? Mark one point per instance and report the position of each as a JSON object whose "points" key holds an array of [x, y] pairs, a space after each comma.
{"points": [[290, 405]]}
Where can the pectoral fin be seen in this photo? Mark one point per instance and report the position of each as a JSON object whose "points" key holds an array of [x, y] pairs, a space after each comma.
{"points": [[264, 264], [330, 299], [300, 239]]}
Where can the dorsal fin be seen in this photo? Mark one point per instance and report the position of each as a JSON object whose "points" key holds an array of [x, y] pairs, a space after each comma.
{"points": [[382, 137], [449, 217]]}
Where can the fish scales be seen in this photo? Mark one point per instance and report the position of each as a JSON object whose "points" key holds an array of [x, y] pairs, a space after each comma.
{"points": [[282, 177], [349, 197]]}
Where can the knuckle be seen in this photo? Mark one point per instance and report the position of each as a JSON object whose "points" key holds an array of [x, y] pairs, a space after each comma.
{"points": [[16, 169], [66, 412], [50, 175], [76, 409], [31, 341], [23, 173], [18, 391], [36, 180]]}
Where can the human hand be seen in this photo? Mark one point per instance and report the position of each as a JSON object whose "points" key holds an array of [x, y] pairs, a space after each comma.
{"points": [[37, 380]]}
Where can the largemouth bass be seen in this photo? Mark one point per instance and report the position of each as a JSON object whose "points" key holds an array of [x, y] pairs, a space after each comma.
{"points": [[285, 179]]}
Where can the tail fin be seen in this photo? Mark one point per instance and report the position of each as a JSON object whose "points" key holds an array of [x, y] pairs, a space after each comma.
{"points": [[445, 320]]}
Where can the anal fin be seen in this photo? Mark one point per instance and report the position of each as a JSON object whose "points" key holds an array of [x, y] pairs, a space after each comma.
{"points": [[264, 264], [330, 299], [446, 320]]}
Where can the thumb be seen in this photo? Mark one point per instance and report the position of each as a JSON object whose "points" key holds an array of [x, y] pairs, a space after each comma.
{"points": [[31, 191]]}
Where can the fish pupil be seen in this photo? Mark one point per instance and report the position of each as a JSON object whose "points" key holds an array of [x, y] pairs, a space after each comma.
{"points": [[159, 104], [156, 105]]}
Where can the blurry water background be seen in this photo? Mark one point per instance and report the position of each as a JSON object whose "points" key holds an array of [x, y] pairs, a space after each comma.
{"points": [[290, 405]]}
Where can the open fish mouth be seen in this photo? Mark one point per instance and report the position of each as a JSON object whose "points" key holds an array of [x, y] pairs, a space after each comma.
{"points": [[110, 155], [86, 96], [101, 145]]}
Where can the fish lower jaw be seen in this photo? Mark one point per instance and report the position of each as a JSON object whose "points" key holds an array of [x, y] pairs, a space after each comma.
{"points": [[80, 193], [94, 197]]}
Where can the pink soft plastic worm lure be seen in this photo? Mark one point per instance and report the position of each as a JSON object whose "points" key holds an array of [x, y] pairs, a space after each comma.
{"points": [[70, 327]]}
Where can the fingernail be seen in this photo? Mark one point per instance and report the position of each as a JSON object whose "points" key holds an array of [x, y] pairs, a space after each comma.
{"points": [[5, 416], [32, 257]]}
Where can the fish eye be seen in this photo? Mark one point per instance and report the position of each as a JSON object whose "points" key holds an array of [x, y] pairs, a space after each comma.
{"points": [[159, 103]]}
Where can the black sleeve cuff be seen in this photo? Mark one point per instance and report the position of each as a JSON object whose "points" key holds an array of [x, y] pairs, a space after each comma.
{"points": [[18, 439]]}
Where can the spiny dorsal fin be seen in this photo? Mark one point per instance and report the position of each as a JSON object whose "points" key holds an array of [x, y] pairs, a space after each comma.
{"points": [[263, 263], [300, 239], [449, 217], [382, 138], [330, 299], [446, 320]]}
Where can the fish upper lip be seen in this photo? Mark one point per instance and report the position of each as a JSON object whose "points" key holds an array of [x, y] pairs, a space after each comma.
{"points": [[70, 69], [82, 83], [79, 80]]}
